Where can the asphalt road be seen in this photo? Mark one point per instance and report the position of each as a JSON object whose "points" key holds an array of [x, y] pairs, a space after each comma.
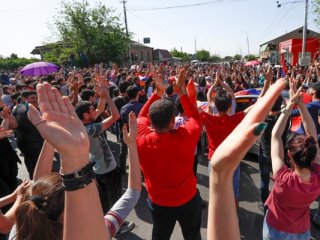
{"points": [[250, 216]]}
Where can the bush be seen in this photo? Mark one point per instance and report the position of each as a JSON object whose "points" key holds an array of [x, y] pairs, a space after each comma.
{"points": [[13, 64]]}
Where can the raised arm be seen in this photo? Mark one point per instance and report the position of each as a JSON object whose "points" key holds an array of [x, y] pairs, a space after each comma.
{"points": [[7, 220], [61, 127], [222, 210], [277, 151], [268, 75]]}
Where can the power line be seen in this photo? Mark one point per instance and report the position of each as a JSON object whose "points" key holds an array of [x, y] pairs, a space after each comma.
{"points": [[180, 6]]}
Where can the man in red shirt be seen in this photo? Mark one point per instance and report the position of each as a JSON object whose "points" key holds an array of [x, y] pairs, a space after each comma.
{"points": [[166, 158], [219, 126]]}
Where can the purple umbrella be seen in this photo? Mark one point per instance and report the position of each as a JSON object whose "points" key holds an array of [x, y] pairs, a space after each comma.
{"points": [[39, 69]]}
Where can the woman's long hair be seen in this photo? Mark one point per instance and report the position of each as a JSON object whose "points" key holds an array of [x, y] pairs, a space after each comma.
{"points": [[38, 216]]}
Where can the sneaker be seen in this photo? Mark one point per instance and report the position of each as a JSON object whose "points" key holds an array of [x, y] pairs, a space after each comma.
{"points": [[125, 228]]}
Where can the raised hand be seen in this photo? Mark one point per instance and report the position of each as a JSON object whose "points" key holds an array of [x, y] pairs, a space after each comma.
{"points": [[130, 137], [179, 84], [158, 80], [59, 124]]}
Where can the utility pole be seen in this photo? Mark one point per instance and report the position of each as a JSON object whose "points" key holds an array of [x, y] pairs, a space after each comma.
{"points": [[126, 25], [125, 15], [304, 32], [195, 45], [248, 43], [303, 57]]}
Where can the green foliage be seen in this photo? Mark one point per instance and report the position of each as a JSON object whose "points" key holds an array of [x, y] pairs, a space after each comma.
{"points": [[237, 57], [13, 56], [93, 31], [228, 58], [214, 58], [203, 55], [250, 57], [13, 64], [58, 54], [316, 10], [185, 56]]}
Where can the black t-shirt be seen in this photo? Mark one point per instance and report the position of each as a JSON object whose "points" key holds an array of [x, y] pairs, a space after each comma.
{"points": [[120, 101], [26, 132], [265, 143]]}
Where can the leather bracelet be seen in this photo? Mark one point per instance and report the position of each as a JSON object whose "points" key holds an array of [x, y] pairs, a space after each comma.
{"points": [[76, 184], [78, 173]]}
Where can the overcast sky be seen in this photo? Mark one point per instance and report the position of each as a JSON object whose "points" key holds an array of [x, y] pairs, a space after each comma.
{"points": [[219, 26]]}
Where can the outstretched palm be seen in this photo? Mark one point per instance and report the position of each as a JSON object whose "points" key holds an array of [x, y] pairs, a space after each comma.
{"points": [[62, 128]]}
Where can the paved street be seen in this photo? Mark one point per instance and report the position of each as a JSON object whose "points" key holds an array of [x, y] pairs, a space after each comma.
{"points": [[250, 216]]}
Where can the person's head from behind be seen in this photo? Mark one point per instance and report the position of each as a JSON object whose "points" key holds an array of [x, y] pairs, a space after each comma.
{"points": [[85, 111], [161, 114], [123, 85], [223, 100], [87, 95], [302, 151], [132, 92], [40, 215], [29, 96]]}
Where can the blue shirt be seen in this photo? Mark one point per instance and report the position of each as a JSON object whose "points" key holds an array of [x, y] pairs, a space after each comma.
{"points": [[133, 106]]}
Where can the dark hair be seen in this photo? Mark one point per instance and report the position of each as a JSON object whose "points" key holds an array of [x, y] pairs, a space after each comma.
{"points": [[27, 93], [161, 112], [223, 100], [303, 150], [5, 89], [179, 106], [123, 85], [132, 92], [277, 105], [86, 94], [202, 81], [169, 90], [38, 216], [14, 96], [82, 107]]}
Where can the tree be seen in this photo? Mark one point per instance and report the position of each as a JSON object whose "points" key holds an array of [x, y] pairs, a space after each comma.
{"points": [[316, 9], [185, 56], [13, 56], [214, 58], [203, 55], [237, 57], [250, 57], [93, 31], [228, 58]]}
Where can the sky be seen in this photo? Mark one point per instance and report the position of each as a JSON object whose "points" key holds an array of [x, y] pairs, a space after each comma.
{"points": [[220, 26]]}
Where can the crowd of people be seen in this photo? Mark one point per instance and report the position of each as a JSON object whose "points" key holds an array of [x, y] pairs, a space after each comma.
{"points": [[60, 120]]}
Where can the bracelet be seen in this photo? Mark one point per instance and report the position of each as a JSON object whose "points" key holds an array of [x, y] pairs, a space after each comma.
{"points": [[78, 173], [76, 184]]}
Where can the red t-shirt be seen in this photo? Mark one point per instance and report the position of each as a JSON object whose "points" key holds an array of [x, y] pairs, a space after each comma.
{"points": [[290, 199], [166, 159], [218, 128]]}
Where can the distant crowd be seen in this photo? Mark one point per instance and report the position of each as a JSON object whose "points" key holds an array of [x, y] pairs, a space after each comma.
{"points": [[159, 114]]}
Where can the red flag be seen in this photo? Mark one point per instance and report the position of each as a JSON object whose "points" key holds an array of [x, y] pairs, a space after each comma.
{"points": [[192, 92]]}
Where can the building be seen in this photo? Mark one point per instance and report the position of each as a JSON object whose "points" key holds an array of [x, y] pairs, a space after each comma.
{"points": [[290, 45], [140, 52], [42, 50], [161, 56]]}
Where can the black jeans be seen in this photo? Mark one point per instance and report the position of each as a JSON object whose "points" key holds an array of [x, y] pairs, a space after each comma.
{"points": [[265, 167], [109, 187], [123, 154], [188, 215], [31, 155]]}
